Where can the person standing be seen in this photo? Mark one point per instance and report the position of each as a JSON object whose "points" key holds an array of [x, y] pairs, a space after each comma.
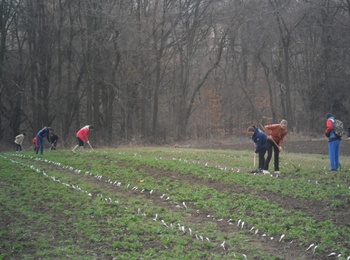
{"points": [[40, 138], [333, 142], [275, 136], [260, 140], [83, 136], [19, 141]]}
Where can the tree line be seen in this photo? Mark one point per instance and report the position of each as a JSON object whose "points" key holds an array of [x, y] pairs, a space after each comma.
{"points": [[165, 70]]}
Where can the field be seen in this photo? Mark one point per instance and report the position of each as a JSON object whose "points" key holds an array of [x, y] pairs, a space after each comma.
{"points": [[171, 203]]}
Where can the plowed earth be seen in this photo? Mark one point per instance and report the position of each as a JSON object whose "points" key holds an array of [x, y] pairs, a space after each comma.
{"points": [[318, 210]]}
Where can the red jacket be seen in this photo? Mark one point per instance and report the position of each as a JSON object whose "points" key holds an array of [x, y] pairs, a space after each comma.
{"points": [[83, 133], [276, 132], [35, 142], [329, 126]]}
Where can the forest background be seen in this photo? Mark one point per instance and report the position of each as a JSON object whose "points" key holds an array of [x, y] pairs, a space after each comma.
{"points": [[163, 71]]}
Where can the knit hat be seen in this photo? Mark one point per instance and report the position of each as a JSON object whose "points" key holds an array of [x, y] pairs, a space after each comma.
{"points": [[284, 122], [328, 115], [251, 129]]}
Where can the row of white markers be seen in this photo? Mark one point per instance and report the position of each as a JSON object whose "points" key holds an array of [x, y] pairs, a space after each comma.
{"points": [[240, 223], [238, 170]]}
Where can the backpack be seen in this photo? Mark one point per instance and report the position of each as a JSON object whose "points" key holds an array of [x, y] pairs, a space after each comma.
{"points": [[338, 128]]}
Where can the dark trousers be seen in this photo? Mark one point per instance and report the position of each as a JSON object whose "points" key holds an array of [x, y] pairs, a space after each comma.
{"points": [[262, 152], [271, 145], [18, 147], [53, 145]]}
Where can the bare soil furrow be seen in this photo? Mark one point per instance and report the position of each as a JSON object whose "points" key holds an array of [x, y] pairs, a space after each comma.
{"points": [[197, 216]]}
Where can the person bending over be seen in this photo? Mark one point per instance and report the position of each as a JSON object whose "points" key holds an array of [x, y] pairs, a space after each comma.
{"points": [[83, 136], [275, 136]]}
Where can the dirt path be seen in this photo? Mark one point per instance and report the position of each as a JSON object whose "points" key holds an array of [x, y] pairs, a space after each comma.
{"points": [[310, 147]]}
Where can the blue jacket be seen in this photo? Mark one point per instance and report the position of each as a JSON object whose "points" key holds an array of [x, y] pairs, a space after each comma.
{"points": [[43, 133], [260, 139]]}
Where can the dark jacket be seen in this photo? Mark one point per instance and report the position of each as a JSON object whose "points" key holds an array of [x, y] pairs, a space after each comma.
{"points": [[52, 138], [43, 133], [260, 139]]}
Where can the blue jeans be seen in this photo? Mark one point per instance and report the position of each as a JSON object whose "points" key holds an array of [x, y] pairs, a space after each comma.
{"points": [[40, 146], [334, 154]]}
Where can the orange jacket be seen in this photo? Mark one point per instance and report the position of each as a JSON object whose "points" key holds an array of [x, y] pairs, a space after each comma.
{"points": [[276, 132]]}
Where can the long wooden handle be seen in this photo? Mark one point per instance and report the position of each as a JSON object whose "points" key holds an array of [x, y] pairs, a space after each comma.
{"points": [[91, 146]]}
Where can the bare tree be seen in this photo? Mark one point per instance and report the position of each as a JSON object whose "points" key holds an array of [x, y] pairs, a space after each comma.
{"points": [[10, 89], [142, 70]]}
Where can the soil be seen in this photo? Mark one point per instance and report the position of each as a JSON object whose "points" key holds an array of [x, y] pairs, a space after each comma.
{"points": [[305, 146], [318, 210]]}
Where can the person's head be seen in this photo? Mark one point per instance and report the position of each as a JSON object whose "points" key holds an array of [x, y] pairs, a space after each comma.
{"points": [[329, 115], [24, 134], [251, 130], [91, 127], [284, 124]]}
